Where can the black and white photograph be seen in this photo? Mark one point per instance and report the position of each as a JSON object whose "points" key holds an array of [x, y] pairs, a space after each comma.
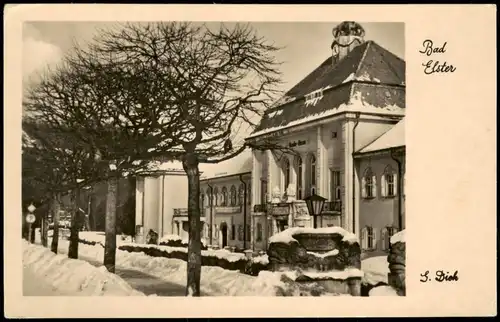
{"points": [[213, 159], [253, 157]]}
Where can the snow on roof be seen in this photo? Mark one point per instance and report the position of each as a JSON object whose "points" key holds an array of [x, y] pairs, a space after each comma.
{"points": [[368, 68], [356, 103], [394, 137], [242, 163], [286, 236], [398, 237], [172, 166]]}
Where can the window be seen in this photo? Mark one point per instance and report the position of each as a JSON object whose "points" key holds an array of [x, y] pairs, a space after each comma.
{"points": [[202, 201], [259, 232], [233, 232], [241, 193], [286, 173], [249, 194], [224, 197], [312, 164], [249, 233], [263, 191], [216, 196], [335, 188], [389, 182], [233, 195], [240, 232], [209, 197], [368, 238], [387, 233], [298, 163], [368, 185]]}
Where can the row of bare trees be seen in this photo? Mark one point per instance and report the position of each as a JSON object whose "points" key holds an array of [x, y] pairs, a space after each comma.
{"points": [[143, 92]]}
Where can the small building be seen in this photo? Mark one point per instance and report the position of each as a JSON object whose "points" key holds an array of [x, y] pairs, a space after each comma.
{"points": [[225, 200], [381, 168]]}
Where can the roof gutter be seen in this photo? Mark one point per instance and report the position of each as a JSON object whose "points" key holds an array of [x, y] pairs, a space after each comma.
{"points": [[400, 197], [358, 155]]}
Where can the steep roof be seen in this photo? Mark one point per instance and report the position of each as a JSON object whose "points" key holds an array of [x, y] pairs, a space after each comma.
{"points": [[369, 79], [393, 138]]}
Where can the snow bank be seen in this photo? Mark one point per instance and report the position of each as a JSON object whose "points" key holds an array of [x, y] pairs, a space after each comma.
{"points": [[286, 236], [375, 269], [336, 274], [219, 253], [72, 275], [177, 240], [384, 290], [215, 281], [167, 238], [398, 237], [334, 252], [262, 259]]}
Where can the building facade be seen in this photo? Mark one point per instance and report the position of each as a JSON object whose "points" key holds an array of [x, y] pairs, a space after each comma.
{"points": [[161, 201], [225, 199], [381, 167], [350, 100]]}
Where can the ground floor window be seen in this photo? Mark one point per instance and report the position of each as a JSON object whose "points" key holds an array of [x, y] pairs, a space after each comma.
{"points": [[368, 238], [233, 232], [387, 233], [282, 225]]}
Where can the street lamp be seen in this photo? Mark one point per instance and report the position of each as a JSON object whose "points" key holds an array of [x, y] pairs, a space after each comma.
{"points": [[315, 206]]}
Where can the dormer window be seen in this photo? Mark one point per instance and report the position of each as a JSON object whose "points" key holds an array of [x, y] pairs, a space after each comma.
{"points": [[314, 97]]}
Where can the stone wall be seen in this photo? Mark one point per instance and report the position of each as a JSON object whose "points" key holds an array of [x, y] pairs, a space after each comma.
{"points": [[397, 266]]}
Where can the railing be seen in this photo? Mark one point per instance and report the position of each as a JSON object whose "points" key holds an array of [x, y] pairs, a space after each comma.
{"points": [[228, 209], [260, 208], [332, 207]]}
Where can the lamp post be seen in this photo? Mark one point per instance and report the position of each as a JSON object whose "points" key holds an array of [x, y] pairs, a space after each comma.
{"points": [[315, 206], [30, 219]]}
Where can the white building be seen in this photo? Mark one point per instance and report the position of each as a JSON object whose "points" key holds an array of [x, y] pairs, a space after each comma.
{"points": [[351, 99]]}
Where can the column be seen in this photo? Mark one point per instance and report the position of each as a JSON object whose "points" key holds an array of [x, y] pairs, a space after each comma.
{"points": [[272, 174], [321, 165], [256, 175], [347, 202]]}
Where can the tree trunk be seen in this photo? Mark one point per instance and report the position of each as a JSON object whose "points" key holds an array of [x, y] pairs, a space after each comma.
{"points": [[75, 223], [190, 165], [55, 217], [44, 228], [110, 245]]}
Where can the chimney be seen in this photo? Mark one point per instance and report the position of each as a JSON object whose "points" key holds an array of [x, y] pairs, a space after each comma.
{"points": [[346, 36]]}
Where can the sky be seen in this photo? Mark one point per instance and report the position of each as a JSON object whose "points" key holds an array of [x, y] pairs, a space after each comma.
{"points": [[305, 45]]}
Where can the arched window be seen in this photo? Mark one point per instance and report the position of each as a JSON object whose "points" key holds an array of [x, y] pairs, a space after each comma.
{"points": [[216, 196], [286, 173], [233, 195], [368, 184], [389, 183], [224, 197], [259, 232], [312, 173], [241, 192], [233, 232], [209, 197], [298, 164]]}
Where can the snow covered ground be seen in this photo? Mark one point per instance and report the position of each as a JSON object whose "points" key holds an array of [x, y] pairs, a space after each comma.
{"points": [[215, 281], [384, 290], [49, 274], [375, 269]]}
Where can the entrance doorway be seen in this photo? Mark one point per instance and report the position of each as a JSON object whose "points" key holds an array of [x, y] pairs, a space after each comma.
{"points": [[223, 229], [282, 225]]}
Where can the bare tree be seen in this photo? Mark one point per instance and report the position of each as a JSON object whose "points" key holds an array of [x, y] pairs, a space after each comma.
{"points": [[212, 83], [115, 127]]}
